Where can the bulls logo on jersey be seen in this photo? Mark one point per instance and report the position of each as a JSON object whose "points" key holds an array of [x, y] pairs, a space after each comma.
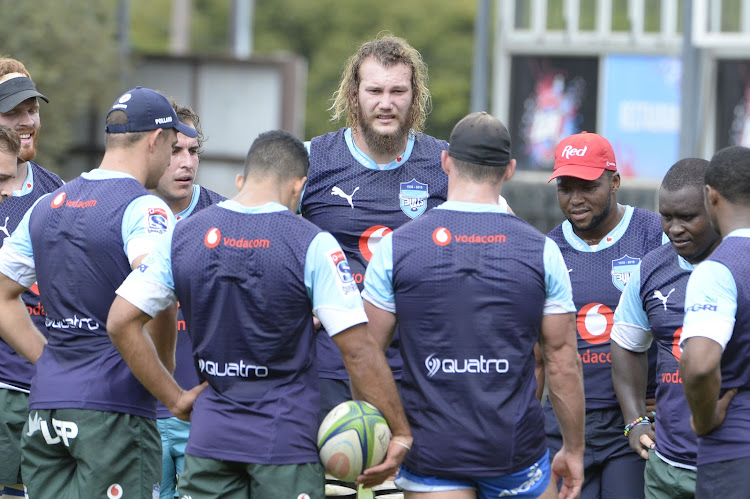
{"points": [[413, 198], [621, 270]]}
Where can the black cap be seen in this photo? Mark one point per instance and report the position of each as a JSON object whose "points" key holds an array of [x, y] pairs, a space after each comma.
{"points": [[480, 139], [16, 90]]}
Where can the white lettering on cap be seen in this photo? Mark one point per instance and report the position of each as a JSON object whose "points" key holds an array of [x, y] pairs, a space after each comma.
{"points": [[161, 121], [569, 151]]}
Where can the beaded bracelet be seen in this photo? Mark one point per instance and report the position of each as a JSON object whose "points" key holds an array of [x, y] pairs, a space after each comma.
{"points": [[641, 420]]}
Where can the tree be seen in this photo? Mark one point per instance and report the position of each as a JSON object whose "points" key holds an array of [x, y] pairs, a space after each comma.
{"points": [[327, 32], [71, 51]]}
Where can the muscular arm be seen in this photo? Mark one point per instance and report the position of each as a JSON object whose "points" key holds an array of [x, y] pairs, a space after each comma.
{"points": [[629, 373], [16, 327], [565, 382], [125, 325], [163, 331], [701, 379], [371, 377]]}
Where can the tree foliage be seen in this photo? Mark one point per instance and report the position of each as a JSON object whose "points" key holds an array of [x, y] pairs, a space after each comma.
{"points": [[71, 51], [327, 32]]}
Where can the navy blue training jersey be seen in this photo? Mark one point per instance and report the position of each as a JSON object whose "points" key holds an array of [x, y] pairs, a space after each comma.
{"points": [[730, 440], [80, 262], [663, 284], [359, 205], [598, 279], [185, 370], [262, 401], [14, 369], [470, 310]]}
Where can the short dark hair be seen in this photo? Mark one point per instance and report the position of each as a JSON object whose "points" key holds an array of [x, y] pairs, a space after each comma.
{"points": [[185, 114], [277, 153], [478, 173], [729, 173], [687, 172], [118, 117], [10, 142]]}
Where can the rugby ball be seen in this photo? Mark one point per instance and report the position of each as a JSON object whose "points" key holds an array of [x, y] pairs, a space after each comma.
{"points": [[354, 436]]}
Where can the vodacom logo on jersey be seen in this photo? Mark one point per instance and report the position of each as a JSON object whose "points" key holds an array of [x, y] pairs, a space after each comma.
{"points": [[595, 323], [370, 238]]}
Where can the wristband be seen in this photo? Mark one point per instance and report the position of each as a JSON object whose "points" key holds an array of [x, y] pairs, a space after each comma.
{"points": [[641, 420], [397, 442]]}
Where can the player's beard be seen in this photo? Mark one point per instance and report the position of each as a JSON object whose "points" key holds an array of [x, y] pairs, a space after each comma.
{"points": [[29, 153], [379, 144], [596, 220]]}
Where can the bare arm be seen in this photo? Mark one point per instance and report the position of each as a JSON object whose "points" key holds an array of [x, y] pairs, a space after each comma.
{"points": [[565, 382], [372, 378], [629, 373], [700, 368], [16, 327], [163, 330], [125, 327], [382, 326]]}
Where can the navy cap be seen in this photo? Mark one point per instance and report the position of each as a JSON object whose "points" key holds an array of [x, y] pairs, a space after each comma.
{"points": [[480, 139], [16, 90], [147, 110]]}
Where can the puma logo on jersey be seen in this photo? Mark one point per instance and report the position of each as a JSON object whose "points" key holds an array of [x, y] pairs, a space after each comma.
{"points": [[64, 430], [659, 296], [336, 191], [4, 228]]}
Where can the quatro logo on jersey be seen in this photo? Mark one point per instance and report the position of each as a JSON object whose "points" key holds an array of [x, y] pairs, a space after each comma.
{"points": [[213, 237], [58, 200], [595, 323], [114, 491], [441, 236], [370, 239]]}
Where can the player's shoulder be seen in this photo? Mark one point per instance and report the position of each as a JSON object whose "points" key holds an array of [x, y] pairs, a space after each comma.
{"points": [[429, 140], [41, 173], [212, 196]]}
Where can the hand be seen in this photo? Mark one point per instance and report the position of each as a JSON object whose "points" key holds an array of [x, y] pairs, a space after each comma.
{"points": [[641, 439], [720, 413], [650, 406], [569, 466], [184, 405], [393, 458]]}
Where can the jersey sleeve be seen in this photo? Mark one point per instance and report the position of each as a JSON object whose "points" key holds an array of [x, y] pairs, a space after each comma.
{"points": [[146, 220], [631, 329], [150, 286], [710, 303], [331, 287], [378, 288], [559, 298], [17, 254]]}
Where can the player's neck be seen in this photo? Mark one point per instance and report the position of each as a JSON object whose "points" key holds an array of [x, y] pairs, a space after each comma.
{"points": [[470, 192], [258, 193], [22, 172]]}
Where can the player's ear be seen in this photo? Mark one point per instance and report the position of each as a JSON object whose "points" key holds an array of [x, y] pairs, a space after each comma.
{"points": [[444, 160], [298, 186], [510, 169], [239, 181]]}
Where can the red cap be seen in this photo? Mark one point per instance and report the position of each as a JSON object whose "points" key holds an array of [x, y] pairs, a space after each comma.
{"points": [[583, 155]]}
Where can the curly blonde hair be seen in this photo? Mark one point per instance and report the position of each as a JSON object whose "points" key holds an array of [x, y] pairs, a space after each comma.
{"points": [[388, 51]]}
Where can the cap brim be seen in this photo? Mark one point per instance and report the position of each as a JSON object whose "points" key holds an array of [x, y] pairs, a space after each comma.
{"points": [[186, 130], [11, 101], [583, 172]]}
